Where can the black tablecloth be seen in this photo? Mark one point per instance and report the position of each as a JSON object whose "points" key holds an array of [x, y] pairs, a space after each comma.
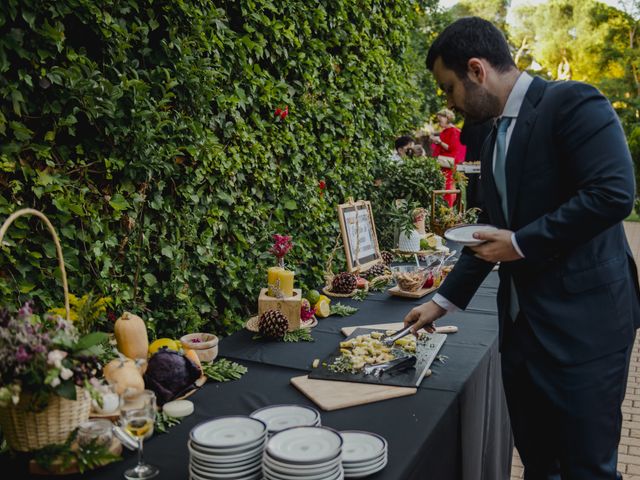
{"points": [[455, 427]]}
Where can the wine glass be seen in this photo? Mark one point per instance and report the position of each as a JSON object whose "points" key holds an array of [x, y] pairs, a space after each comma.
{"points": [[138, 417]]}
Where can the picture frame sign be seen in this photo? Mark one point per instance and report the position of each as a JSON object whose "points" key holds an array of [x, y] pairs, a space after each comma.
{"points": [[359, 235]]}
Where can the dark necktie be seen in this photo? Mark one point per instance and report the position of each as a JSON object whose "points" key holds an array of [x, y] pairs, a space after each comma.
{"points": [[499, 170], [500, 178]]}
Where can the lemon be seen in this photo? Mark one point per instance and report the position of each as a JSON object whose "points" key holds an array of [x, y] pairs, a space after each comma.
{"points": [[322, 309], [323, 297], [313, 296], [169, 343]]}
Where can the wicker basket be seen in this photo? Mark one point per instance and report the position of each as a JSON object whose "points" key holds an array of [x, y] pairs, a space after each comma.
{"points": [[24, 429]]}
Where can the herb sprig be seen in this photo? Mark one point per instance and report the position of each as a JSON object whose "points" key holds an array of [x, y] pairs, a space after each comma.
{"points": [[223, 370]]}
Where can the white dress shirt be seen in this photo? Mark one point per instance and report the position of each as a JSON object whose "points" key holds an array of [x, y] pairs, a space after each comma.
{"points": [[511, 110]]}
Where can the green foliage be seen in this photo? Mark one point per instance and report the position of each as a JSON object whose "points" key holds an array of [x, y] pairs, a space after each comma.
{"points": [[223, 370], [63, 456], [342, 310], [145, 130], [164, 422], [412, 180], [493, 10]]}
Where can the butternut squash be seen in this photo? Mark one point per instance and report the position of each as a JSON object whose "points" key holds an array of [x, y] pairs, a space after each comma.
{"points": [[124, 375], [131, 335]]}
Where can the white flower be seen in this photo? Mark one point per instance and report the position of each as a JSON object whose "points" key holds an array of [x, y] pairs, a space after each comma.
{"points": [[55, 358], [55, 382], [66, 373]]}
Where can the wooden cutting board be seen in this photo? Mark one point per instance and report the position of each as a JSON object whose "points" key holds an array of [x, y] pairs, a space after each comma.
{"points": [[331, 395]]}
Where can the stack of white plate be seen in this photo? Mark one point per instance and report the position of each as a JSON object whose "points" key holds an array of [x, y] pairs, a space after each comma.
{"points": [[304, 453], [281, 417], [363, 454], [227, 448]]}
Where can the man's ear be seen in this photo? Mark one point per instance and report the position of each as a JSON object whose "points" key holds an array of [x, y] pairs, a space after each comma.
{"points": [[476, 70]]}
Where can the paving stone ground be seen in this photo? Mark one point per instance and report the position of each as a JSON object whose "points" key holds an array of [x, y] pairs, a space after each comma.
{"points": [[629, 451]]}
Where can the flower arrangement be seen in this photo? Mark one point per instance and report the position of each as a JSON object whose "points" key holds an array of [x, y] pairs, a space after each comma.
{"points": [[447, 217], [45, 356], [281, 246]]}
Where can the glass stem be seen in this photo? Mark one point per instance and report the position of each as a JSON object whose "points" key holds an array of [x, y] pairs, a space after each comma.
{"points": [[140, 451], [281, 262]]}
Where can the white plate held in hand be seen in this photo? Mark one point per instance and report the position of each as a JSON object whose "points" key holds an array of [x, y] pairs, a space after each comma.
{"points": [[463, 234]]}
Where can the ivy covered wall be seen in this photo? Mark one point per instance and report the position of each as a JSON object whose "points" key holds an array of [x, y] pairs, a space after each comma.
{"points": [[145, 130]]}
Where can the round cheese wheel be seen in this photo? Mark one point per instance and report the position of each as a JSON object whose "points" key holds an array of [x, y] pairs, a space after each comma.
{"points": [[178, 408]]}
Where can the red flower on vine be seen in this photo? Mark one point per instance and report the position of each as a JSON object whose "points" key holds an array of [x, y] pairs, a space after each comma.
{"points": [[281, 246], [322, 186], [282, 113]]}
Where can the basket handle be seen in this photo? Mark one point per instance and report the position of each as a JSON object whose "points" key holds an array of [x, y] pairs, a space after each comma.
{"points": [[56, 241]]}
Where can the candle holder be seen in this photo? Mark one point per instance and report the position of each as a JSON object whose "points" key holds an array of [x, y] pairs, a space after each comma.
{"points": [[280, 281], [290, 306]]}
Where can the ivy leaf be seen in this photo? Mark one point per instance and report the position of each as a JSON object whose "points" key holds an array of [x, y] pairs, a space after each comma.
{"points": [[150, 279], [66, 389], [290, 205], [118, 202], [89, 340]]}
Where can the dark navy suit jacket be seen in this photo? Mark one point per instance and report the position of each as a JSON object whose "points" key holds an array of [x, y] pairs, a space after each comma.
{"points": [[570, 184]]}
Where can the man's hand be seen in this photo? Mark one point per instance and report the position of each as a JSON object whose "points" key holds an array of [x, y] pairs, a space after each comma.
{"points": [[497, 247], [424, 316]]}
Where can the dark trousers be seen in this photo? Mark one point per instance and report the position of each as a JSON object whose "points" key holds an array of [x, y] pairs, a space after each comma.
{"points": [[566, 419]]}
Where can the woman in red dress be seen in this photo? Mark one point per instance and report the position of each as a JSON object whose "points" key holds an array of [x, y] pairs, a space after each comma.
{"points": [[448, 150]]}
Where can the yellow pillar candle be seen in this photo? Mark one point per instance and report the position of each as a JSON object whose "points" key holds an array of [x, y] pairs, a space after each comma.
{"points": [[280, 279]]}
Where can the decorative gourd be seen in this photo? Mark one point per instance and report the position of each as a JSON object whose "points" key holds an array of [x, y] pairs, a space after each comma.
{"points": [[131, 335], [124, 375], [193, 356]]}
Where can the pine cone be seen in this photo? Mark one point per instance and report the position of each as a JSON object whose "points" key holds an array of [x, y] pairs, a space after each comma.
{"points": [[387, 257], [273, 324], [344, 283], [375, 271]]}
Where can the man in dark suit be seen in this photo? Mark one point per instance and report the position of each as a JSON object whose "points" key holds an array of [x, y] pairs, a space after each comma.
{"points": [[558, 181]]}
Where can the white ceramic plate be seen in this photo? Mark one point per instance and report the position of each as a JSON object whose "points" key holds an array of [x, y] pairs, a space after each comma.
{"points": [[365, 473], [228, 432], [301, 467], [229, 451], [463, 234], [279, 417], [253, 476], [364, 465], [334, 474], [224, 459], [288, 470], [362, 446], [232, 475], [368, 469], [226, 468], [305, 445]]}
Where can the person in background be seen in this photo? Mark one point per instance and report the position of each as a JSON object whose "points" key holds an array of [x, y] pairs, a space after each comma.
{"points": [[403, 144], [558, 182], [448, 150], [473, 137]]}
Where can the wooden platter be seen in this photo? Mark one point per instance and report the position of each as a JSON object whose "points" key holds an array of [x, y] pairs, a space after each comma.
{"points": [[417, 294], [252, 324]]}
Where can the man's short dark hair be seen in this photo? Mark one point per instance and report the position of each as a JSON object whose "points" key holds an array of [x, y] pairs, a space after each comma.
{"points": [[467, 38], [403, 141]]}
